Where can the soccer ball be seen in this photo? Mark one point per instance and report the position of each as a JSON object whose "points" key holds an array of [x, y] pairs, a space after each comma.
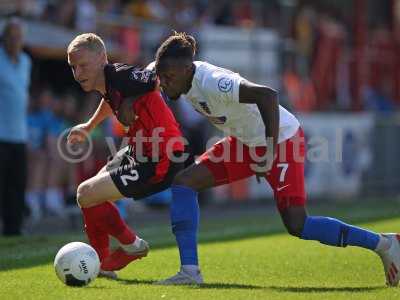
{"points": [[77, 264]]}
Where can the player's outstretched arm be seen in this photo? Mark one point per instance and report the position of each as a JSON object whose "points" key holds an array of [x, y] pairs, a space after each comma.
{"points": [[268, 104], [79, 132], [102, 112]]}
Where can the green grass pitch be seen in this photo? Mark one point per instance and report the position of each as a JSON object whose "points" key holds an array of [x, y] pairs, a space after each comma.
{"points": [[247, 256]]}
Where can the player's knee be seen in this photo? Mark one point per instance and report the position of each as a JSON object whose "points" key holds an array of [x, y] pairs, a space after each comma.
{"points": [[82, 194], [294, 218], [294, 229]]}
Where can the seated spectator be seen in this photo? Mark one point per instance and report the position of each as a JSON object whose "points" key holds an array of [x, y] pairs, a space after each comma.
{"points": [[299, 90]]}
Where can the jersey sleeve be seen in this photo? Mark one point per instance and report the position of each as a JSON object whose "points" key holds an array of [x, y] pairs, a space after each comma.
{"points": [[222, 85]]}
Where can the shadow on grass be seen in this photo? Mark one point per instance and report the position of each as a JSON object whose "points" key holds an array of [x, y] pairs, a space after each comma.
{"points": [[102, 287], [214, 285], [317, 289], [222, 286], [135, 281], [283, 289]]}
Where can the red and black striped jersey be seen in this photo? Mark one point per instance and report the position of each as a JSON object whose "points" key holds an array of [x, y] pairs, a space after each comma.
{"points": [[126, 81], [153, 116]]}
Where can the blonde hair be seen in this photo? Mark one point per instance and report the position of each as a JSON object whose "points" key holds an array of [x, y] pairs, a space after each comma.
{"points": [[90, 41]]}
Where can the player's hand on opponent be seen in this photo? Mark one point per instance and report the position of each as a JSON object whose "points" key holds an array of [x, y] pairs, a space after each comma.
{"points": [[78, 133], [262, 168], [125, 113]]}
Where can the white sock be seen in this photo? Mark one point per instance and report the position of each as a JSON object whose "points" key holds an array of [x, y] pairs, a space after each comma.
{"points": [[54, 200], [191, 269], [131, 248], [383, 244], [32, 200]]}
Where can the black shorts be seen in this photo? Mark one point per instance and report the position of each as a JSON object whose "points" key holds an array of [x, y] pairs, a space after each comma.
{"points": [[134, 180]]}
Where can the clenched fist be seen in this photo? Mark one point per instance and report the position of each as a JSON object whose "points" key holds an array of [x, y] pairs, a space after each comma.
{"points": [[78, 133]]}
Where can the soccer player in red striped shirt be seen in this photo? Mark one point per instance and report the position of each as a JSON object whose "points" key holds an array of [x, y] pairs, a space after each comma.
{"points": [[143, 168]]}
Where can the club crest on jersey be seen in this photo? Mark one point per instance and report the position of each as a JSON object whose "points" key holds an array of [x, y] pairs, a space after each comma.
{"points": [[205, 107], [140, 75], [225, 84]]}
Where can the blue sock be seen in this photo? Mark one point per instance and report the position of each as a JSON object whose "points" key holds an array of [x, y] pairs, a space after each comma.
{"points": [[333, 232], [184, 212]]}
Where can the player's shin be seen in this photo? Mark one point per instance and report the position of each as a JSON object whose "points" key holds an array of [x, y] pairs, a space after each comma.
{"points": [[333, 232], [117, 227], [107, 217], [98, 238], [132, 247], [185, 220]]}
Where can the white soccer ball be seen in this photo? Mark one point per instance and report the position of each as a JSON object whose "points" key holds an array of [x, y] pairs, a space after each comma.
{"points": [[77, 264]]}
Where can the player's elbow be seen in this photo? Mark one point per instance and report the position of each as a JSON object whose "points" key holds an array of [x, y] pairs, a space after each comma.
{"points": [[266, 96], [255, 93], [269, 94]]}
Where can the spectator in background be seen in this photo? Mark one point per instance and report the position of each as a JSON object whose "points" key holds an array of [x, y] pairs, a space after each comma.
{"points": [[109, 7], [129, 40], [243, 14], [69, 175], [223, 13], [382, 69], [378, 99], [54, 196], [62, 14], [37, 154], [28, 8], [85, 16], [15, 72], [298, 90], [159, 9], [304, 32], [140, 9], [184, 15], [329, 48]]}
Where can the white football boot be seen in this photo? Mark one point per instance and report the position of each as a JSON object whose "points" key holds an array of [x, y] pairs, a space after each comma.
{"points": [[391, 259], [182, 278]]}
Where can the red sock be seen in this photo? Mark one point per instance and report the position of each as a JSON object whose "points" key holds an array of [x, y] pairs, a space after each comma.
{"points": [[117, 226], [97, 236], [106, 216]]}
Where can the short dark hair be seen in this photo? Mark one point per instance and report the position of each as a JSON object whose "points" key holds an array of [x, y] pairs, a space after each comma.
{"points": [[9, 23], [177, 45]]}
